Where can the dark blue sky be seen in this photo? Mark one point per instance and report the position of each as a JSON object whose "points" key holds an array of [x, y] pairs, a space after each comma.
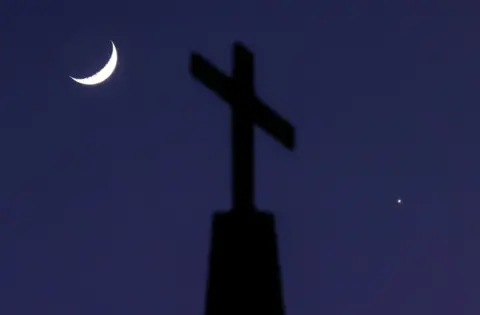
{"points": [[104, 204]]}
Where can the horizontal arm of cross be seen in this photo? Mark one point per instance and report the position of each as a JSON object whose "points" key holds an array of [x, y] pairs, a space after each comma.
{"points": [[260, 113]]}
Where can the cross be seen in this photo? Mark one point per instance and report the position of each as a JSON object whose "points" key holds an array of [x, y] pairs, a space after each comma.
{"points": [[247, 110]]}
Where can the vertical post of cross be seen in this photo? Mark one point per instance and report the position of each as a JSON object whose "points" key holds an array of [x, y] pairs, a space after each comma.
{"points": [[242, 132]]}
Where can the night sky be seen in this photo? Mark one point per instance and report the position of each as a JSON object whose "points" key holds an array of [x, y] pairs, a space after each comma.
{"points": [[107, 191]]}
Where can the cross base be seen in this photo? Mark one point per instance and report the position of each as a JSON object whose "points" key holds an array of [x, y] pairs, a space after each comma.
{"points": [[244, 273]]}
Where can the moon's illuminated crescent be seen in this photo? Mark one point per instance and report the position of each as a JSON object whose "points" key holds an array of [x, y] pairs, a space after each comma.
{"points": [[104, 73]]}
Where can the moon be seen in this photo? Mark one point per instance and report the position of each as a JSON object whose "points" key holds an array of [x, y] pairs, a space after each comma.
{"points": [[104, 73]]}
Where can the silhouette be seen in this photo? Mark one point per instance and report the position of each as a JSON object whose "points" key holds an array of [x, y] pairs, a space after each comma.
{"points": [[244, 273]]}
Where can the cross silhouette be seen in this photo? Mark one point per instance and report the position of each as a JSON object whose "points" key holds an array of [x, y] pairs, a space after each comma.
{"points": [[247, 110]]}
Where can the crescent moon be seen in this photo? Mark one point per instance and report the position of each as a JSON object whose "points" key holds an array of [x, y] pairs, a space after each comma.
{"points": [[104, 73]]}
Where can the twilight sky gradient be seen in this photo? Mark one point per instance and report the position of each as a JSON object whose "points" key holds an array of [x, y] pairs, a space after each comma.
{"points": [[104, 207]]}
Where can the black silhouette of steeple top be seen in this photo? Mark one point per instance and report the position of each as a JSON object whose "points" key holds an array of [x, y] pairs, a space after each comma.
{"points": [[244, 273], [247, 109]]}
